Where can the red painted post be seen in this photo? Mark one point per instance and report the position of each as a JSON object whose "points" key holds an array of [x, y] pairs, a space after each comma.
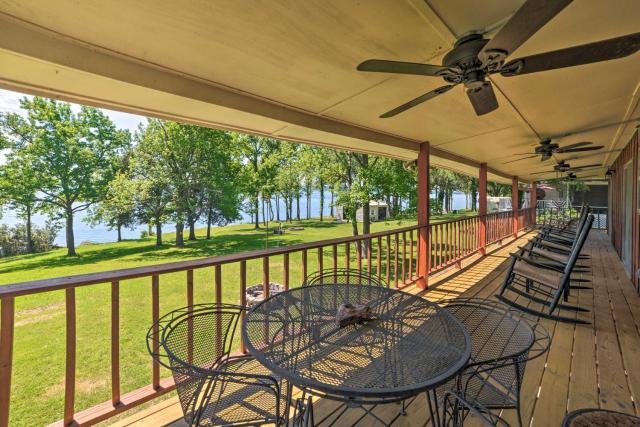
{"points": [[514, 205], [482, 207], [424, 250], [533, 198]]}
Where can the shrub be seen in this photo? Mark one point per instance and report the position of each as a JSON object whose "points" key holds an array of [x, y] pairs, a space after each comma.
{"points": [[13, 239]]}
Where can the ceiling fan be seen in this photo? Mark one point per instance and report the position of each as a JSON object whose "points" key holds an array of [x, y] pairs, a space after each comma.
{"points": [[547, 148], [562, 166], [473, 57]]}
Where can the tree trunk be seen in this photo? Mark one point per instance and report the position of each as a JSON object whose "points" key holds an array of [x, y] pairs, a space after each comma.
{"points": [[321, 200], [179, 234], [298, 206], [209, 224], [278, 208], [256, 207], [119, 232], [71, 244], [264, 214], [331, 205], [192, 230], [158, 232], [149, 229], [30, 248], [308, 203]]}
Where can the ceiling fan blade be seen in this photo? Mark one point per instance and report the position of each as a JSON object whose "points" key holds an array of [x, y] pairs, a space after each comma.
{"points": [[581, 168], [568, 159], [399, 67], [604, 50], [419, 100], [576, 145], [483, 99], [540, 173], [579, 149], [527, 20], [524, 158]]}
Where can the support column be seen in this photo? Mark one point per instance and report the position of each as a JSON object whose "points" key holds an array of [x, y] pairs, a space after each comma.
{"points": [[424, 249], [482, 207], [514, 205], [533, 198]]}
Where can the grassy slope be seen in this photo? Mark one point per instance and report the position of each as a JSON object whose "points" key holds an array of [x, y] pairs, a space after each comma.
{"points": [[39, 351]]}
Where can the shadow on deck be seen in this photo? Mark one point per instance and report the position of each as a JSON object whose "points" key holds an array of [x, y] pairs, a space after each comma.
{"points": [[595, 365]]}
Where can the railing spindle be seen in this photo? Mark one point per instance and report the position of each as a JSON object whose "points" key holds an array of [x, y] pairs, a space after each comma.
{"points": [[115, 342], [347, 258], [404, 258], [70, 366], [395, 263], [218, 292], [265, 277], [155, 315], [369, 256], [243, 297], [411, 255], [388, 259], [190, 319], [379, 257], [7, 322], [359, 254], [304, 266], [320, 259], [285, 270], [334, 255]]}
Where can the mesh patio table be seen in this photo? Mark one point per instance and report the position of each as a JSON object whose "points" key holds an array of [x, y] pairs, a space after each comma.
{"points": [[409, 346]]}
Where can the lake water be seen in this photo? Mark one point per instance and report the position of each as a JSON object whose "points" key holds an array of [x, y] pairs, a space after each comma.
{"points": [[101, 234]]}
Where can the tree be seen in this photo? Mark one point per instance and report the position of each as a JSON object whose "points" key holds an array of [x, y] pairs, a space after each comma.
{"points": [[73, 156], [18, 189], [255, 151], [118, 207]]}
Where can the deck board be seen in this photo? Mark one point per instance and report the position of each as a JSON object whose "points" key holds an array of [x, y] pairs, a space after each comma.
{"points": [[594, 365]]}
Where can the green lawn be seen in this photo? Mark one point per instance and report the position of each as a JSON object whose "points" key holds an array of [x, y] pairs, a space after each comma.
{"points": [[39, 348]]}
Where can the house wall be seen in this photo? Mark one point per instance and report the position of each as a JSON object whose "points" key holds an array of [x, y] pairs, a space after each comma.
{"points": [[616, 207]]}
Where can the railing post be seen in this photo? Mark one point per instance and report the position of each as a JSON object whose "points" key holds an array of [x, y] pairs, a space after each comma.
{"points": [[6, 356], [533, 197], [514, 205], [424, 250], [482, 207], [70, 365]]}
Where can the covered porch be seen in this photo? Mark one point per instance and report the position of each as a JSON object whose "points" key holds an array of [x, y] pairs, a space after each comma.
{"points": [[291, 74], [587, 366]]}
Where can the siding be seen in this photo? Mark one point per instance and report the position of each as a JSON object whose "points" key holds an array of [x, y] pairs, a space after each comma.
{"points": [[629, 153]]}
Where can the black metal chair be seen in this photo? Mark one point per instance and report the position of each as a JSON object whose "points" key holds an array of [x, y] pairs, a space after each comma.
{"points": [[599, 417], [346, 276], [214, 385], [493, 377], [458, 408], [542, 282]]}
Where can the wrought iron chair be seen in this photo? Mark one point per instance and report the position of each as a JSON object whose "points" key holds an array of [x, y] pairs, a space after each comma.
{"points": [[215, 386], [544, 283], [344, 276], [457, 408], [493, 377]]}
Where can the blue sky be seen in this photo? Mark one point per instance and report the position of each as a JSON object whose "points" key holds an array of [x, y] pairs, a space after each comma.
{"points": [[10, 103]]}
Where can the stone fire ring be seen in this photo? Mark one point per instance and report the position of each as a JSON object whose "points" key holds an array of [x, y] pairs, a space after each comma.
{"points": [[255, 293]]}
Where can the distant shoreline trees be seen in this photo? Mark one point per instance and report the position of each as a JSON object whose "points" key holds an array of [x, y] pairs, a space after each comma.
{"points": [[60, 161]]}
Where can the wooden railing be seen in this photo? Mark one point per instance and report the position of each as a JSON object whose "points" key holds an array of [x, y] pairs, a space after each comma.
{"points": [[391, 255]]}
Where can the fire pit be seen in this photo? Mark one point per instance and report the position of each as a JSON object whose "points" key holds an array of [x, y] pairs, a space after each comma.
{"points": [[255, 293]]}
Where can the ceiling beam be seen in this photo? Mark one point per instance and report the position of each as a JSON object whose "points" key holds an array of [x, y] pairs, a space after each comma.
{"points": [[30, 41]]}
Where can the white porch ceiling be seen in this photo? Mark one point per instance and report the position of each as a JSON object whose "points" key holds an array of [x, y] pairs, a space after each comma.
{"points": [[288, 69]]}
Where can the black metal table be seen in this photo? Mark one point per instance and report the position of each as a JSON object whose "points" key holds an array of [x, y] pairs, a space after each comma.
{"points": [[410, 346]]}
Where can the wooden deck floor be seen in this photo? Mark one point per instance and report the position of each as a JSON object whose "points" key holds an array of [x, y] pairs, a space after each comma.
{"points": [[596, 365]]}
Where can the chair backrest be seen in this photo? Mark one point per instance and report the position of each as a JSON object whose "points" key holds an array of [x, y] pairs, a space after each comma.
{"points": [[571, 262], [192, 342], [343, 276]]}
